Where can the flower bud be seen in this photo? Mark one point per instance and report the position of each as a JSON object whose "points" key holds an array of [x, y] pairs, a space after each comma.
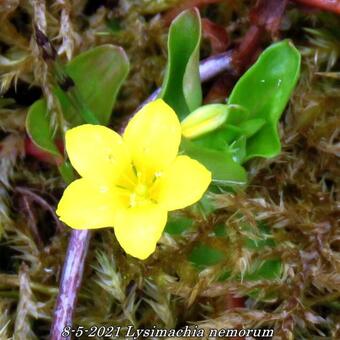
{"points": [[204, 119]]}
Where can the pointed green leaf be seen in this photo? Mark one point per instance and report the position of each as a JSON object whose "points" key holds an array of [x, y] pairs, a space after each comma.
{"points": [[98, 75], [265, 90], [39, 129], [181, 88]]}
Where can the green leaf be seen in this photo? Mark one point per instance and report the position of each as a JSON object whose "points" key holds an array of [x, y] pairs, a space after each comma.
{"points": [[98, 75], [66, 171], [176, 225], [203, 256], [181, 87], [238, 149], [204, 207], [250, 127], [264, 239], [220, 138], [224, 170], [264, 90], [208, 128], [265, 270], [220, 230], [39, 129]]}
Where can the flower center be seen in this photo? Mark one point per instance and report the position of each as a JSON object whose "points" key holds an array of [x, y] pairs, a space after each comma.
{"points": [[138, 187], [141, 189], [139, 195]]}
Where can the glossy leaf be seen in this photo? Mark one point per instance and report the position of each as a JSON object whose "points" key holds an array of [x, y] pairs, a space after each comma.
{"points": [[250, 127], [98, 75], [264, 90], [181, 88], [238, 149], [224, 170], [207, 129], [219, 139], [39, 129]]}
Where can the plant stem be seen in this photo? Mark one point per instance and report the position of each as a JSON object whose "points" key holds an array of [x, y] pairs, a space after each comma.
{"points": [[209, 68], [327, 5], [71, 276], [70, 282], [215, 65], [79, 241]]}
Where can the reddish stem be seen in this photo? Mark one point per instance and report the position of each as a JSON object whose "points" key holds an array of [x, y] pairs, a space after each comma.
{"points": [[172, 14], [33, 150], [327, 5], [217, 35]]}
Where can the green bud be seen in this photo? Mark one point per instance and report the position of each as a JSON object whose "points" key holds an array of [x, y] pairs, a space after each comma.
{"points": [[204, 119]]}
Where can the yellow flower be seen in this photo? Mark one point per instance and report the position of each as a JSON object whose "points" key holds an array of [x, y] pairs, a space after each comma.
{"points": [[131, 182]]}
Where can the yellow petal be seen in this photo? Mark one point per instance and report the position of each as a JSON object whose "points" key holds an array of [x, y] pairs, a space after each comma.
{"points": [[138, 229], [97, 152], [153, 136], [182, 184], [87, 205]]}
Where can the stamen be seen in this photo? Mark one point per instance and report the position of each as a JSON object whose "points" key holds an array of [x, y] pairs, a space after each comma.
{"points": [[133, 202]]}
